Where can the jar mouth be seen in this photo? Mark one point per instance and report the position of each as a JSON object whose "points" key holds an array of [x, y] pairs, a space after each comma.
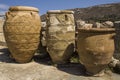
{"points": [[96, 29], [60, 11], [23, 8]]}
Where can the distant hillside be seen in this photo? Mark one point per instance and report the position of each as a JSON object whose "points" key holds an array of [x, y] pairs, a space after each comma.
{"points": [[96, 13]]}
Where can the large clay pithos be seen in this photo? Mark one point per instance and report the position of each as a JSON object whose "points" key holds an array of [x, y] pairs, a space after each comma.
{"points": [[95, 49], [60, 35], [22, 32]]}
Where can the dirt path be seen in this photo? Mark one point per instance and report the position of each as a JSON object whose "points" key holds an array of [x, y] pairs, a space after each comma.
{"points": [[39, 69]]}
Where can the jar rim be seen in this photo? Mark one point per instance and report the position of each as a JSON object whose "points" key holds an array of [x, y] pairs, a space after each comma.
{"points": [[23, 8], [60, 11], [96, 29]]}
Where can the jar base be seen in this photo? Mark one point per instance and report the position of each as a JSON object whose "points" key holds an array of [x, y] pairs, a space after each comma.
{"points": [[95, 75]]}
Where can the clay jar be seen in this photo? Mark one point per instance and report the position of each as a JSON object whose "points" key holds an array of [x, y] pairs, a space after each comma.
{"points": [[22, 31], [95, 49], [60, 35]]}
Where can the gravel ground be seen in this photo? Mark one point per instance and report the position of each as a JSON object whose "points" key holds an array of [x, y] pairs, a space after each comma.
{"points": [[39, 69]]}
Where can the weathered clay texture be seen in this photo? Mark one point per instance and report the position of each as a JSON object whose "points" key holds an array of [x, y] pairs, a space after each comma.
{"points": [[95, 48], [22, 32], [60, 35]]}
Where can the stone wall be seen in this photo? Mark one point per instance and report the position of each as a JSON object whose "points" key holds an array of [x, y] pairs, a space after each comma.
{"points": [[2, 39], [1, 25]]}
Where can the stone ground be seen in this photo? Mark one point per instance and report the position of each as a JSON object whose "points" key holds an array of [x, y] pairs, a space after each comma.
{"points": [[40, 69]]}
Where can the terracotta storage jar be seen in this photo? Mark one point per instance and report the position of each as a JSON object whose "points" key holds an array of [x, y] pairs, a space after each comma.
{"points": [[95, 49], [60, 35], [22, 32]]}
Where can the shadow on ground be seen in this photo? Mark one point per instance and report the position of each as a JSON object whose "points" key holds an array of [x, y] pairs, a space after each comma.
{"points": [[5, 56], [71, 68], [45, 60]]}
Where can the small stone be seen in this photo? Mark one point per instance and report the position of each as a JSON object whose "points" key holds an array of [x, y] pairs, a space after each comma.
{"points": [[87, 25], [107, 24], [80, 23], [117, 68]]}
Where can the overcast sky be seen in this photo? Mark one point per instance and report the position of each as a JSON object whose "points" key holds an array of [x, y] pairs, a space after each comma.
{"points": [[45, 5]]}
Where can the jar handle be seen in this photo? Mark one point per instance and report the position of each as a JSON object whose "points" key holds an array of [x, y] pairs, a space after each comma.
{"points": [[7, 14]]}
